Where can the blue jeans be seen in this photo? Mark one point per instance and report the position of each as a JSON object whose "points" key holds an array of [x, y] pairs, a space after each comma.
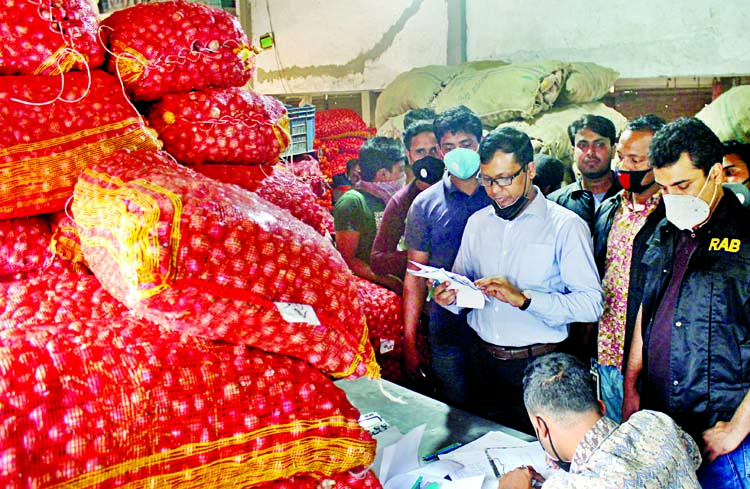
{"points": [[450, 369], [612, 392], [728, 471]]}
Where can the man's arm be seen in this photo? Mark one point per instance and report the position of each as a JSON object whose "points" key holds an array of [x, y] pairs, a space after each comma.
{"points": [[631, 399], [725, 437], [386, 257], [415, 291], [346, 243]]}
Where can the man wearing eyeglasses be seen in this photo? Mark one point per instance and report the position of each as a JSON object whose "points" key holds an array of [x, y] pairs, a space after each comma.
{"points": [[534, 261]]}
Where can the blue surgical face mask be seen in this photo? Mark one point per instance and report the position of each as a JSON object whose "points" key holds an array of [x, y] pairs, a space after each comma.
{"points": [[462, 163]]}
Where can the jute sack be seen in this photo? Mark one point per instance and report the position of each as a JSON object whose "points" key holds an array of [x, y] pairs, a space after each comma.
{"points": [[393, 127], [587, 82], [412, 89], [729, 115], [515, 91], [549, 131]]}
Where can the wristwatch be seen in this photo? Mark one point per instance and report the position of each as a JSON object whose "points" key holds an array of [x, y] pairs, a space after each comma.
{"points": [[526, 302]]}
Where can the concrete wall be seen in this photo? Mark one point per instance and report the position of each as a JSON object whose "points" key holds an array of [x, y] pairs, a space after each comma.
{"points": [[639, 38], [343, 45]]}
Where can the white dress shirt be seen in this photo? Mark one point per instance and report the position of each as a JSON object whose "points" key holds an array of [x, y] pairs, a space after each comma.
{"points": [[546, 250]]}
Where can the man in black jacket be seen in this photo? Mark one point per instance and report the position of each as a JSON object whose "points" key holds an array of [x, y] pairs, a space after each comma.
{"points": [[593, 138], [691, 345], [622, 225]]}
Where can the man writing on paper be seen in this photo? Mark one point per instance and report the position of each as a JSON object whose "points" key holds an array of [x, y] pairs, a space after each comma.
{"points": [[535, 260], [592, 451]]}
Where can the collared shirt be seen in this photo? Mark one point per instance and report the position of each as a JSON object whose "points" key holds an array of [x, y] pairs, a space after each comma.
{"points": [[386, 257], [435, 224], [627, 222], [359, 211], [649, 450], [547, 250]]}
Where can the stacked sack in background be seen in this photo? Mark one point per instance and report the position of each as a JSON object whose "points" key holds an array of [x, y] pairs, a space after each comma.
{"points": [[339, 133], [540, 98], [200, 350], [728, 115]]}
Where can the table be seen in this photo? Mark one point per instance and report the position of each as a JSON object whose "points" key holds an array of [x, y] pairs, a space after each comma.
{"points": [[445, 424]]}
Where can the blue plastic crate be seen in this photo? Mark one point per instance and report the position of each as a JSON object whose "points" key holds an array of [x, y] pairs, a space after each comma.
{"points": [[301, 130]]}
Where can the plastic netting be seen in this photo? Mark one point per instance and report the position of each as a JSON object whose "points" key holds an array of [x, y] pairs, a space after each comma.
{"points": [[126, 403], [345, 480], [24, 244], [66, 243], [385, 322], [231, 126], [173, 47], [333, 122], [44, 147], [218, 261], [279, 187], [47, 37], [55, 296]]}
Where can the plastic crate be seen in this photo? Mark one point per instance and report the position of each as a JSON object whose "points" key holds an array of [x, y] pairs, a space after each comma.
{"points": [[301, 130]]}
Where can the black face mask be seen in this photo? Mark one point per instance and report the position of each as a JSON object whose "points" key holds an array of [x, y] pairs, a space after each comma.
{"points": [[511, 211], [632, 180], [558, 460]]}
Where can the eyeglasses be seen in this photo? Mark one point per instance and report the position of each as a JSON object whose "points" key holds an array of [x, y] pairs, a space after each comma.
{"points": [[486, 181]]}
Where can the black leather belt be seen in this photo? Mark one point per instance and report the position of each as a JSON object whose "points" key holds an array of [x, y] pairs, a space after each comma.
{"points": [[518, 352]]}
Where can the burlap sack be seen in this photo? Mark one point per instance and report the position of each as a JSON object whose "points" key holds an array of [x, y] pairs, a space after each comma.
{"points": [[412, 89], [729, 115], [587, 82], [393, 127], [549, 131], [514, 91]]}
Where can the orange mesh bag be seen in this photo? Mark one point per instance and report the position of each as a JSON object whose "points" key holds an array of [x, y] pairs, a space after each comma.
{"points": [[344, 480], [279, 187], [24, 244], [66, 244], [385, 322], [47, 37], [43, 148], [108, 403], [230, 126], [218, 261], [60, 296], [173, 47]]}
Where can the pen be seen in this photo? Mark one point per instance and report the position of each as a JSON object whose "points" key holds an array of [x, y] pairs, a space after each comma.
{"points": [[417, 483], [449, 448], [430, 294]]}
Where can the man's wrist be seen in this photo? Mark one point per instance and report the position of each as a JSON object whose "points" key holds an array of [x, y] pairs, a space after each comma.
{"points": [[526, 300]]}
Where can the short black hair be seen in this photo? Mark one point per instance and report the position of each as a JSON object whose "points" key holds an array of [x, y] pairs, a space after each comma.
{"points": [[351, 164], [733, 147], [559, 384], [550, 171], [600, 125], [646, 123], [457, 119], [414, 115], [377, 153], [686, 135], [509, 141], [417, 127]]}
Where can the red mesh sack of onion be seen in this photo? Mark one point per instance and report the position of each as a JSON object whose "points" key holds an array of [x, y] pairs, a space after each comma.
{"points": [[345, 480], [172, 47], [385, 322], [107, 403], [44, 146], [278, 186], [48, 37], [24, 244], [230, 126], [218, 261], [334, 122], [55, 297], [66, 244]]}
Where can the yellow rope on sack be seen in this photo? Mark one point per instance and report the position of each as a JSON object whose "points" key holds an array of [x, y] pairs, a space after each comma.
{"points": [[137, 251], [282, 132], [313, 453], [372, 368], [131, 64], [61, 61]]}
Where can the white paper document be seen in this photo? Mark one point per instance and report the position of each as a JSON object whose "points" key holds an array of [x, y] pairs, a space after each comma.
{"points": [[467, 294]]}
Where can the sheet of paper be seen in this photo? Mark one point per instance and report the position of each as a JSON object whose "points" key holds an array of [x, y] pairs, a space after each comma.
{"points": [[402, 456], [467, 294], [495, 453]]}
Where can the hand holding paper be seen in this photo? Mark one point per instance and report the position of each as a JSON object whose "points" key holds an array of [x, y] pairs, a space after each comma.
{"points": [[467, 294]]}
